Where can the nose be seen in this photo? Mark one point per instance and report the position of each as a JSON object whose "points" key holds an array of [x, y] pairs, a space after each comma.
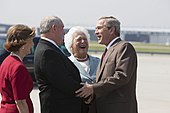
{"points": [[96, 31], [82, 41]]}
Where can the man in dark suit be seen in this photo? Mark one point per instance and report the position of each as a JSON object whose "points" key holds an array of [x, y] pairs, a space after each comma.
{"points": [[56, 75], [115, 87]]}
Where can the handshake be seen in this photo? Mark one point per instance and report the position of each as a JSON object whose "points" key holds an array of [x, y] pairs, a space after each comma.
{"points": [[85, 92]]}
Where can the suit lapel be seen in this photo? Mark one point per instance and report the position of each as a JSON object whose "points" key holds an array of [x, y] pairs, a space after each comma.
{"points": [[93, 64], [102, 64]]}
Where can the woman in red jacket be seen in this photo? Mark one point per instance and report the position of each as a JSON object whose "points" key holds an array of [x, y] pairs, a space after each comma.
{"points": [[15, 81]]}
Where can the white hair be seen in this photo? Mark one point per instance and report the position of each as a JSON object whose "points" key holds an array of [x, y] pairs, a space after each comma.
{"points": [[68, 38]]}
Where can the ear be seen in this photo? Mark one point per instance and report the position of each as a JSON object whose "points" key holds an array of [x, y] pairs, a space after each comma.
{"points": [[71, 49], [112, 30], [53, 28], [71, 46]]}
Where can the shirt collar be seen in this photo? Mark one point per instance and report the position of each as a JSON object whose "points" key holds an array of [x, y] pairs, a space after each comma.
{"points": [[108, 46], [49, 40], [13, 54]]}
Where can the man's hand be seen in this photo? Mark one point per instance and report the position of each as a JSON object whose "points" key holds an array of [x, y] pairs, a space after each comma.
{"points": [[85, 91]]}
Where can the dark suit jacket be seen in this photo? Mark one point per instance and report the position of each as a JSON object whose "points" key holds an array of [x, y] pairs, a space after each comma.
{"points": [[57, 79], [115, 91]]}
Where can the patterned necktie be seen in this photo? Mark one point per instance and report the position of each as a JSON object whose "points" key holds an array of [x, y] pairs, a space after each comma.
{"points": [[103, 54]]}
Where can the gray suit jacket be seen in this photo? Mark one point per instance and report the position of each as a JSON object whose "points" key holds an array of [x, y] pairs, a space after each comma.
{"points": [[115, 90], [85, 76]]}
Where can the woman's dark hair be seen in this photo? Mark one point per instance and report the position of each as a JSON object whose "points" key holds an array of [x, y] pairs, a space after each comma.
{"points": [[17, 36]]}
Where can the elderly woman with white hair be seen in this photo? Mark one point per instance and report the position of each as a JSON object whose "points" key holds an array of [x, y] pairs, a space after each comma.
{"points": [[77, 43]]}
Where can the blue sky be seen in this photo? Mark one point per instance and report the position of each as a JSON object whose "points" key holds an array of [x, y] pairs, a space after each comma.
{"points": [[131, 13]]}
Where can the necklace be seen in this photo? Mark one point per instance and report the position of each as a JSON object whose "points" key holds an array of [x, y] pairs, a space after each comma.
{"points": [[82, 59]]}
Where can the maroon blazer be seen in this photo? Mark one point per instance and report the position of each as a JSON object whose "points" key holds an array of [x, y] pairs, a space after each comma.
{"points": [[115, 90]]}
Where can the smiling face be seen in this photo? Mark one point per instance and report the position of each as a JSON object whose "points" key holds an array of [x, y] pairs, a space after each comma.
{"points": [[103, 33], [80, 45]]}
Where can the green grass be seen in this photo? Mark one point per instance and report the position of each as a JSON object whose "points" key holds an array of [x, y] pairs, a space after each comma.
{"points": [[95, 46], [139, 47]]}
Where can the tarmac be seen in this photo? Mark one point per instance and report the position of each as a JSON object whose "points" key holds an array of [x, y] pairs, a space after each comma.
{"points": [[153, 85]]}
